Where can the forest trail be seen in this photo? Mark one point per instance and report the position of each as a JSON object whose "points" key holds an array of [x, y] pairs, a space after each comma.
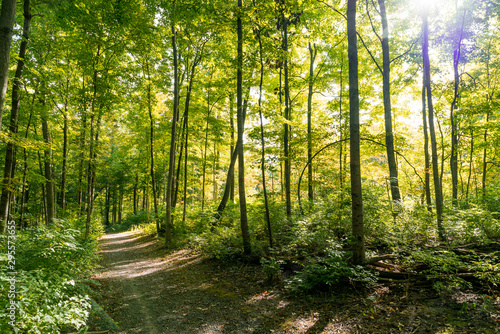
{"points": [[148, 289]]}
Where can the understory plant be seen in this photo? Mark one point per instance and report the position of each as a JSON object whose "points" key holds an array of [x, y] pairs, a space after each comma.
{"points": [[52, 265]]}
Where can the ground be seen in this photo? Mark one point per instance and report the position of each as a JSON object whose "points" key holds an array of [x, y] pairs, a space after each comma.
{"points": [[146, 288]]}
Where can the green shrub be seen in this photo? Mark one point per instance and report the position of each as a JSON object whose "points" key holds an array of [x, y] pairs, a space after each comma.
{"points": [[325, 273], [52, 264]]}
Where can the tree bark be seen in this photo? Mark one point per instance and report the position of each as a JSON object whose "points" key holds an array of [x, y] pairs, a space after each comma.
{"points": [[435, 168], [7, 15], [171, 168], [151, 149], [230, 173], [427, 186], [454, 105], [286, 135], [356, 190], [231, 148], [241, 124], [186, 138], [389, 138], [49, 182], [312, 54], [263, 147], [10, 154]]}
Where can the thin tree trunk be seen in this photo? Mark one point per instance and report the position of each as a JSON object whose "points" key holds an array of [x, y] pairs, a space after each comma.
{"points": [[454, 105], [136, 199], [151, 150], [186, 139], [115, 206], [65, 150], [485, 153], [286, 135], [10, 154], [241, 124], [230, 172], [427, 190], [356, 192], [82, 150], [312, 53], [107, 205], [470, 163], [231, 148], [263, 148], [205, 152], [389, 138], [341, 128], [7, 15], [49, 183], [435, 168], [171, 168]]}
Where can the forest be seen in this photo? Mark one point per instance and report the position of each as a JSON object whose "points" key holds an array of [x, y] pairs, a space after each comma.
{"points": [[330, 145]]}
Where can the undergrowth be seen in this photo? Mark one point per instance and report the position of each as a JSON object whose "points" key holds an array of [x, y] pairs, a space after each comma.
{"points": [[52, 266]]}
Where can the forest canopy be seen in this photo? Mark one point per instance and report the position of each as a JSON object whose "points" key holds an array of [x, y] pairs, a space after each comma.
{"points": [[274, 128]]}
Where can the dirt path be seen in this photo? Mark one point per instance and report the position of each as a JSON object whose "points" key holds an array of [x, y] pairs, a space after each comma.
{"points": [[147, 289]]}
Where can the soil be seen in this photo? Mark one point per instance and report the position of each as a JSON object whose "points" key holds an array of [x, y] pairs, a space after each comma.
{"points": [[146, 288]]}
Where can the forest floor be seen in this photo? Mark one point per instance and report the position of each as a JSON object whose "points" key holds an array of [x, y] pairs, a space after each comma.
{"points": [[148, 289]]}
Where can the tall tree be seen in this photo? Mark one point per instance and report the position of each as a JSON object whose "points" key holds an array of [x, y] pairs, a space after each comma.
{"points": [[10, 155], [241, 127], [355, 163], [435, 169], [453, 119], [312, 54], [389, 137], [7, 15], [286, 134], [171, 161]]}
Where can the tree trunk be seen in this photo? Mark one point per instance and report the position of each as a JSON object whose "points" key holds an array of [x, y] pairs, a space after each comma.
{"points": [[171, 168], [241, 124], [389, 138], [186, 139], [49, 183], [7, 15], [151, 150], [83, 135], [485, 153], [263, 148], [136, 199], [435, 168], [10, 154], [230, 173], [107, 205], [204, 168], [231, 148], [312, 53], [115, 206], [65, 150], [427, 186], [470, 163], [454, 106], [286, 135], [356, 191]]}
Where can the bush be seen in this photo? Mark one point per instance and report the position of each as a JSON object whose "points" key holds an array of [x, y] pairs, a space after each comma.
{"points": [[325, 273], [52, 264]]}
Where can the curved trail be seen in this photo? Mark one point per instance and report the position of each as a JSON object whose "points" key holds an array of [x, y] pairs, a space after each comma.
{"points": [[145, 289]]}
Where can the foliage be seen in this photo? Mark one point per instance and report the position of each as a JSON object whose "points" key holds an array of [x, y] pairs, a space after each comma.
{"points": [[332, 271], [52, 265]]}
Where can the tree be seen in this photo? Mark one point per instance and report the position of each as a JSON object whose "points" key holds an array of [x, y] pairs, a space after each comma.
{"points": [[10, 155], [240, 115], [427, 85], [356, 191], [7, 15]]}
